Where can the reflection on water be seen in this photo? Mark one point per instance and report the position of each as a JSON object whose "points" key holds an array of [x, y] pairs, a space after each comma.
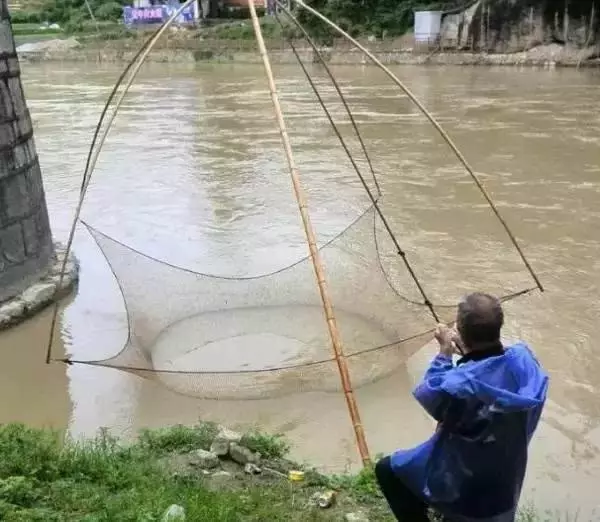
{"points": [[193, 174]]}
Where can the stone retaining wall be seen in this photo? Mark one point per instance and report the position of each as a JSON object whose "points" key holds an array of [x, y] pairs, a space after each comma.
{"points": [[41, 292], [544, 56]]}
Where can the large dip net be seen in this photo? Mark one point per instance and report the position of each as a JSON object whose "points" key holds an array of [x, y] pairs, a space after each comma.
{"points": [[258, 336], [262, 336]]}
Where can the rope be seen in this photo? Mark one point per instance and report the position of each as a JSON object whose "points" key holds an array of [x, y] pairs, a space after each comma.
{"points": [[440, 130], [93, 157], [329, 117], [397, 246], [398, 343], [337, 88]]}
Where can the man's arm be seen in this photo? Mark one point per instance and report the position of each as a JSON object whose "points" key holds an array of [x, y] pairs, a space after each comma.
{"points": [[429, 392]]}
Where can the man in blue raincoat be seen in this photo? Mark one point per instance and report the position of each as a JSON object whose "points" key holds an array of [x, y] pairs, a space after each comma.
{"points": [[487, 407]]}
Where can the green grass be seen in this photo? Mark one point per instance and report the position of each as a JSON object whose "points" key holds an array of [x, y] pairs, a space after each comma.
{"points": [[269, 446], [45, 479], [87, 27], [33, 29], [177, 439]]}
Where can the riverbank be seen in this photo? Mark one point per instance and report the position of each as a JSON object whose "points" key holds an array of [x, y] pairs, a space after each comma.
{"points": [[43, 292], [194, 474], [178, 50], [206, 472]]}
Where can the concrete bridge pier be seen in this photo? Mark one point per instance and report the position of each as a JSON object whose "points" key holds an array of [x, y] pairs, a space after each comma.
{"points": [[29, 261]]}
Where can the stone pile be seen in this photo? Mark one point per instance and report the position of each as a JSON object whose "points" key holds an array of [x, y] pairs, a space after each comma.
{"points": [[227, 460], [227, 446]]}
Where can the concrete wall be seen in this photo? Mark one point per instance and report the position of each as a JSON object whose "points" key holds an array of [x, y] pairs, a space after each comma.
{"points": [[26, 248]]}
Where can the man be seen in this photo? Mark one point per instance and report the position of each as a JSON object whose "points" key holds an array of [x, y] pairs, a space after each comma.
{"points": [[487, 407]]}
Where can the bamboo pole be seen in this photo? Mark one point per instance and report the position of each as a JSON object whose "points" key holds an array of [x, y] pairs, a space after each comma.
{"points": [[314, 252], [89, 8], [438, 127]]}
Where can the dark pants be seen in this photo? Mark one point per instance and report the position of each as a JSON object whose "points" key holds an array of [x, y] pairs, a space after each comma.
{"points": [[403, 503]]}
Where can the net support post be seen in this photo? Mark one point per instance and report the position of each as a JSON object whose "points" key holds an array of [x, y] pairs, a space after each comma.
{"points": [[314, 252]]}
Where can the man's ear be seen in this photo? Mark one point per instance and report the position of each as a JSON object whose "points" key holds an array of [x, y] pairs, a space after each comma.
{"points": [[460, 345]]}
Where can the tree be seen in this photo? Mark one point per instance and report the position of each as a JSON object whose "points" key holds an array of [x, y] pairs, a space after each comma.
{"points": [[26, 248], [213, 8]]}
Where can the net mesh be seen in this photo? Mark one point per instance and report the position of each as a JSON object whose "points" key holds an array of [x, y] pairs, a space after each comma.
{"points": [[250, 337], [265, 336]]}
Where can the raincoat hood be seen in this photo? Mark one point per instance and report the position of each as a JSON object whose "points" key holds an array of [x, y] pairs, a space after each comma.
{"points": [[510, 382]]}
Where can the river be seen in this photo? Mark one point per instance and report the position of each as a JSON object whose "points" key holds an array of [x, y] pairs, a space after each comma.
{"points": [[193, 173]]}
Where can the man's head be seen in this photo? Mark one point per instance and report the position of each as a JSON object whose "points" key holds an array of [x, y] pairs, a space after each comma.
{"points": [[479, 321]]}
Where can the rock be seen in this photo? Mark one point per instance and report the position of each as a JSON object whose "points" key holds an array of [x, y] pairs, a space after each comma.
{"points": [[70, 267], [12, 308], [48, 46], [221, 474], [222, 442], [358, 516], [252, 469], [220, 448], [242, 455], [324, 499], [66, 282], [228, 435], [174, 513], [220, 481], [38, 295], [219, 478], [204, 459]]}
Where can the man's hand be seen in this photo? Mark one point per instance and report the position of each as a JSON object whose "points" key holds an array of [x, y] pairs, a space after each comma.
{"points": [[446, 337]]}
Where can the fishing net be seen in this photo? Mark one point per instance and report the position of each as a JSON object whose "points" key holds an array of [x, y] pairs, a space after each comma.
{"points": [[258, 336], [251, 337], [266, 335]]}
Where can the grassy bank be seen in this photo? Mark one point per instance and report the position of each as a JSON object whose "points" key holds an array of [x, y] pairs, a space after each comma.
{"points": [[44, 479]]}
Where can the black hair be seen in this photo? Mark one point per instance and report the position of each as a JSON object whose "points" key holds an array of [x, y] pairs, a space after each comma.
{"points": [[480, 319]]}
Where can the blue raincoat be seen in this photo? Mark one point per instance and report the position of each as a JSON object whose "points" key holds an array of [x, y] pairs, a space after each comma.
{"points": [[472, 468]]}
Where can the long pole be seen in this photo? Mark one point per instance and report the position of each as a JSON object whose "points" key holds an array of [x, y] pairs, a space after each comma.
{"points": [[314, 252], [89, 8], [437, 126], [93, 158]]}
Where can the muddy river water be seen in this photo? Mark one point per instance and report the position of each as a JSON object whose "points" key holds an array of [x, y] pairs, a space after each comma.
{"points": [[193, 174]]}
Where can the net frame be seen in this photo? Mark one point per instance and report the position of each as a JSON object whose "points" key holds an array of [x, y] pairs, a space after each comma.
{"points": [[339, 357]]}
